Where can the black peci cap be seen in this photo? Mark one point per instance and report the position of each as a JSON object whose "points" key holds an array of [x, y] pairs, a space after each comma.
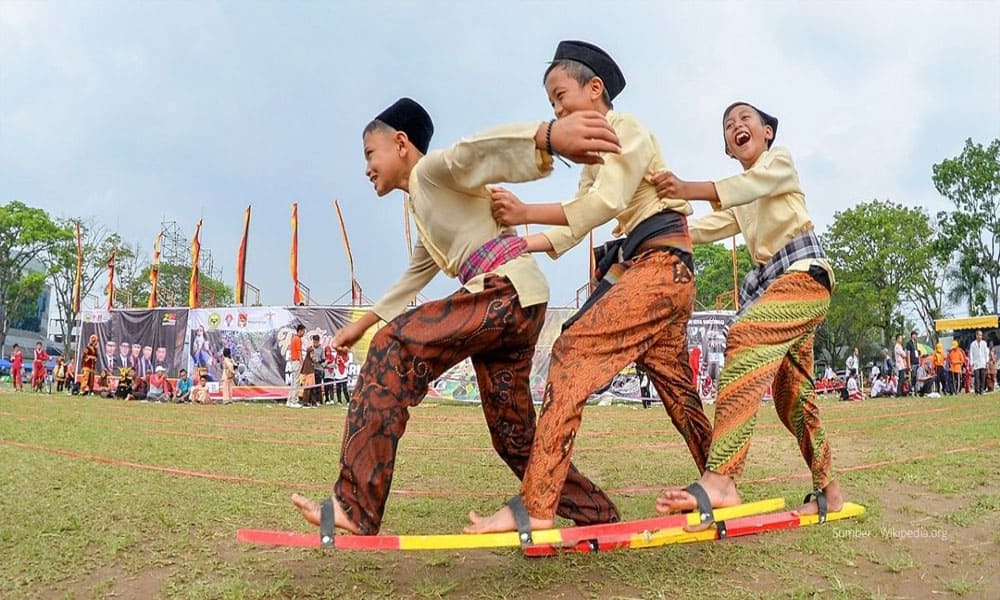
{"points": [[598, 60], [409, 117]]}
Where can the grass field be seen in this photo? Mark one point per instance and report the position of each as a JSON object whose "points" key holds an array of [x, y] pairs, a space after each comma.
{"points": [[102, 498]]}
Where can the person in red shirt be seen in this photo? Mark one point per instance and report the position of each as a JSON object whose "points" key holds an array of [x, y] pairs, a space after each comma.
{"points": [[16, 366], [38, 367]]}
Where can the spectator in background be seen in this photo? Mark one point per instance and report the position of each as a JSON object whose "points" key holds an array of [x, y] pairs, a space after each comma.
{"points": [[69, 377], [228, 375], [979, 358], [59, 373], [938, 361], [887, 364], [925, 379], [956, 361], [140, 387], [902, 367], [883, 386], [38, 367], [318, 360], [184, 385], [996, 360], [17, 368], [158, 386], [853, 362], [124, 389], [991, 371], [199, 393], [342, 373], [295, 366], [913, 360], [853, 387]]}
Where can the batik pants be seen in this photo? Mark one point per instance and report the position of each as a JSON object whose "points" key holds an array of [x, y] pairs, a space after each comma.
{"points": [[773, 341], [642, 318], [408, 354]]}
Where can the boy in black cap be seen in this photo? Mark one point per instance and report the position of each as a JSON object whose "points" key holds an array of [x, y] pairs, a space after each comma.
{"points": [[494, 318], [782, 303], [640, 309]]}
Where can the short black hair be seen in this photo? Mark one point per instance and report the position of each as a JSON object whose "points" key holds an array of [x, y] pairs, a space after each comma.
{"points": [[580, 72], [227, 353], [300, 327], [315, 337]]}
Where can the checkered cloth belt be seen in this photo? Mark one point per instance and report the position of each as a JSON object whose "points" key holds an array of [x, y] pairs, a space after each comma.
{"points": [[756, 282], [491, 255]]}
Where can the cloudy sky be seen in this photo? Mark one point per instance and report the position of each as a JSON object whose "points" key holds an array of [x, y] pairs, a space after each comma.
{"points": [[141, 112]]}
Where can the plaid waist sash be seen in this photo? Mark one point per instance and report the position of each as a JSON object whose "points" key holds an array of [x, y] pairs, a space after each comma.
{"points": [[492, 254], [805, 245]]}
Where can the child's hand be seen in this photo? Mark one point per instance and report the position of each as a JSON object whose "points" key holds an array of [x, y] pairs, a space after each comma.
{"points": [[581, 135], [507, 208], [669, 185]]}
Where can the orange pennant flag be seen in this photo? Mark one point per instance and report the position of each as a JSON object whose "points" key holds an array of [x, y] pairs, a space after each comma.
{"points": [[154, 272], [294, 261], [241, 260], [195, 254]]}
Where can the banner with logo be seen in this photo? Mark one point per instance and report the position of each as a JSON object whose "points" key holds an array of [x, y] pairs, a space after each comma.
{"points": [[706, 339], [259, 339]]}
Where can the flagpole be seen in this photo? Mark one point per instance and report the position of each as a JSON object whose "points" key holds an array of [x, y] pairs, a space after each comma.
{"points": [[154, 273], [78, 282]]}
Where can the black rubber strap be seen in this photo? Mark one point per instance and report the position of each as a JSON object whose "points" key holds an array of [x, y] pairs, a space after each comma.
{"points": [[705, 515], [820, 503], [326, 528], [522, 520], [720, 526]]}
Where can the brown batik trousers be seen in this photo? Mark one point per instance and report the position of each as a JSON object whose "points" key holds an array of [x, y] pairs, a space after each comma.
{"points": [[642, 318], [773, 341], [408, 354]]}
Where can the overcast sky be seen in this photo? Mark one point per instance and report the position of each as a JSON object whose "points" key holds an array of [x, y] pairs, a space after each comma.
{"points": [[142, 112]]}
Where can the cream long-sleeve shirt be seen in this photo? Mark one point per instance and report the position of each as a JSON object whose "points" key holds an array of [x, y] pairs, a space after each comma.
{"points": [[451, 207], [617, 188], [766, 204]]}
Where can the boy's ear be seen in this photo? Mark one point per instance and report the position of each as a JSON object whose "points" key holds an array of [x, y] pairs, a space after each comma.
{"points": [[596, 88], [399, 139], [768, 133]]}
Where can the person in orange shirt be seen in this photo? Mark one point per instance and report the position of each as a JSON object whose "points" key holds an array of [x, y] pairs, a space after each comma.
{"points": [[956, 360], [937, 364], [295, 366]]}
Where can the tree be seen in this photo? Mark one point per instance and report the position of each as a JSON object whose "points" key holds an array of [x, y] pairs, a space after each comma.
{"points": [[25, 234], [713, 267], [968, 286], [97, 246], [927, 291], [174, 282], [972, 182], [882, 247]]}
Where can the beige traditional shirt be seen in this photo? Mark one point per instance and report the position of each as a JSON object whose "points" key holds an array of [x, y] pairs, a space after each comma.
{"points": [[451, 207], [766, 204], [617, 188]]}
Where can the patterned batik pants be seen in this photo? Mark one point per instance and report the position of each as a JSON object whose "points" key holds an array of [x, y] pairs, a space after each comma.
{"points": [[408, 354], [773, 341], [642, 318]]}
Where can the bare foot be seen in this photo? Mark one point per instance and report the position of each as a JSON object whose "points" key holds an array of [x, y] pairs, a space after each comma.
{"points": [[311, 512], [834, 501], [721, 490], [501, 521]]}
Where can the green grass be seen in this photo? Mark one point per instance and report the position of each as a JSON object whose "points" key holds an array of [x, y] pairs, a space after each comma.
{"points": [[107, 499]]}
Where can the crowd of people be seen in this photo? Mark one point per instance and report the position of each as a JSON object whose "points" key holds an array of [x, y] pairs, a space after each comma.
{"points": [[913, 369]]}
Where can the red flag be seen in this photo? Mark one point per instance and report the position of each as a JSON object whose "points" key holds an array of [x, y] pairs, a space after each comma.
{"points": [[241, 260], [296, 294], [111, 280], [195, 253], [79, 270], [154, 271]]}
